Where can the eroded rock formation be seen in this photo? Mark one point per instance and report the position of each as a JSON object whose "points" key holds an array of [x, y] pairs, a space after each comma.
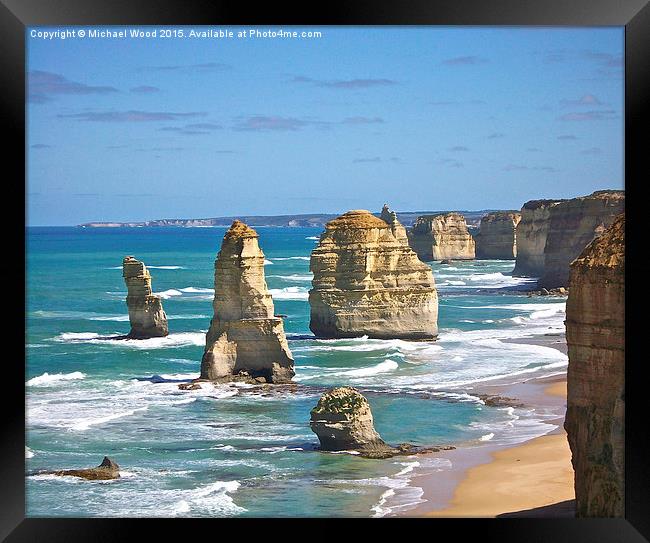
{"points": [[342, 420], [245, 337], [574, 224], [108, 469], [441, 237], [531, 234], [496, 238], [146, 314], [595, 332], [397, 228], [369, 282]]}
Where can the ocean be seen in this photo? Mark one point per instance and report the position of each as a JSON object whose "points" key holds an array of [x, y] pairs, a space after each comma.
{"points": [[244, 450]]}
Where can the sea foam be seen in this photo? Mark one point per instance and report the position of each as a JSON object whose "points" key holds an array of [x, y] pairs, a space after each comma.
{"points": [[46, 379]]}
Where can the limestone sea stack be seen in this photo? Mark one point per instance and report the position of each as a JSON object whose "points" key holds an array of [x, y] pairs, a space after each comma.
{"points": [[245, 336], [574, 224], [146, 314], [595, 332], [342, 420], [441, 237], [369, 282], [531, 234], [497, 236]]}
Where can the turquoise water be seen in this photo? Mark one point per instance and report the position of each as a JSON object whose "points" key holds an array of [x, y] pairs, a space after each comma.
{"points": [[245, 450]]}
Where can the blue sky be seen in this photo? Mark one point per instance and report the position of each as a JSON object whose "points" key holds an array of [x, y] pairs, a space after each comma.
{"points": [[424, 118]]}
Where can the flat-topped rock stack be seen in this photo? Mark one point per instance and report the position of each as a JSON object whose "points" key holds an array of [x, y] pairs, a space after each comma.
{"points": [[441, 237], [146, 314], [497, 238], [245, 336], [573, 225], [595, 331], [369, 282]]}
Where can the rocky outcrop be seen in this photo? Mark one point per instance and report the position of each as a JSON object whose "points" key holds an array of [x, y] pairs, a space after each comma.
{"points": [[441, 237], [595, 333], [531, 234], [398, 230], [106, 470], [496, 238], [573, 225], [369, 282], [245, 337], [146, 313], [342, 420]]}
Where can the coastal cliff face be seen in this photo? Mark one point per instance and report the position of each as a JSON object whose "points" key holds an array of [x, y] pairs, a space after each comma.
{"points": [[496, 238], [342, 420], [595, 418], [146, 314], [442, 237], [244, 336], [368, 282], [574, 224], [531, 234]]}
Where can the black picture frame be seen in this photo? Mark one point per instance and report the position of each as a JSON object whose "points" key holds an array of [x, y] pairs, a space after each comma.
{"points": [[15, 15]]}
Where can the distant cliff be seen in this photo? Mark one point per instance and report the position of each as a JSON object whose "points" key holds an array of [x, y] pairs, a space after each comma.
{"points": [[574, 224], [442, 237], [407, 218], [552, 233], [531, 234], [496, 237], [595, 331]]}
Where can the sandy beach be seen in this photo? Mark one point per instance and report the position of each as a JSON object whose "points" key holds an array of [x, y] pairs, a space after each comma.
{"points": [[523, 480]]}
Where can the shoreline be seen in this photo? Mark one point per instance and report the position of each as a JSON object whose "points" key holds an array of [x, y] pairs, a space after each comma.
{"points": [[489, 480]]}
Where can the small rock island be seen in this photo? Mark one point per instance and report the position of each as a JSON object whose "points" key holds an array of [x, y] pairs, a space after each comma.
{"points": [[245, 336], [107, 470], [146, 314], [342, 420], [368, 281]]}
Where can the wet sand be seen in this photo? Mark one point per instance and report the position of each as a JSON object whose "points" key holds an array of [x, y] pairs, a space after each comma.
{"points": [[490, 480]]}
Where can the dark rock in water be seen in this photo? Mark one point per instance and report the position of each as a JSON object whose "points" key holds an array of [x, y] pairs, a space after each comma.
{"points": [[561, 291], [108, 469], [446, 261], [499, 401], [189, 386], [146, 314]]}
